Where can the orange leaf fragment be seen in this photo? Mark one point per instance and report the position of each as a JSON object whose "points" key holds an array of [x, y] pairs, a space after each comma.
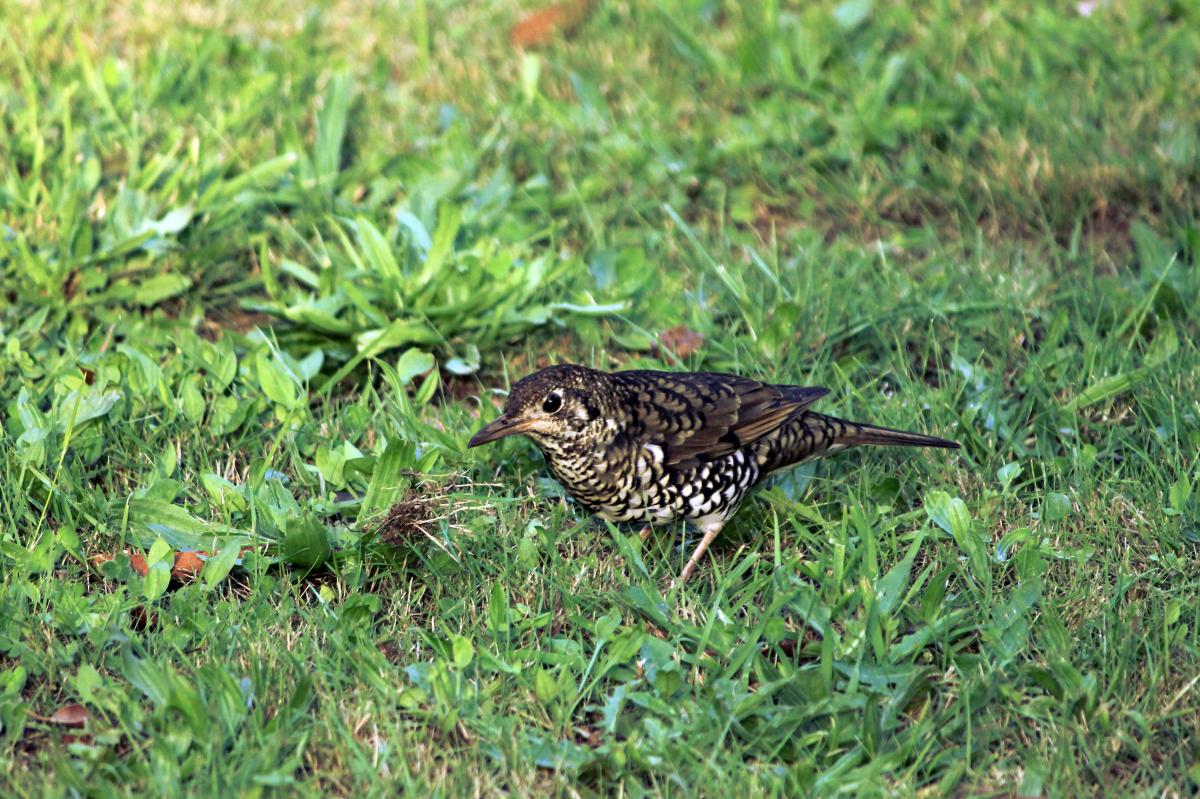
{"points": [[681, 340], [540, 27], [71, 714], [188, 565], [141, 619]]}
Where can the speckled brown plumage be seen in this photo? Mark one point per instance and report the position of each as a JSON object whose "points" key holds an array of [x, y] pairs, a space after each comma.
{"points": [[655, 447]]}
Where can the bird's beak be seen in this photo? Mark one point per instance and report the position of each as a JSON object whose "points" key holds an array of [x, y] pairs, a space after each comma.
{"points": [[500, 427]]}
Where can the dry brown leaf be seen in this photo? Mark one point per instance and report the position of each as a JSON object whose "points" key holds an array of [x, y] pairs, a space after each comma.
{"points": [[137, 561], [185, 568], [71, 714], [188, 565], [681, 340], [540, 27], [142, 619]]}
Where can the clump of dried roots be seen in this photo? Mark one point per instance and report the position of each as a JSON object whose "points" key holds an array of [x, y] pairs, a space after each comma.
{"points": [[425, 507]]}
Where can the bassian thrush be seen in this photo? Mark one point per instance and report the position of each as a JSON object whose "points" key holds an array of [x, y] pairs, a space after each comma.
{"points": [[655, 447]]}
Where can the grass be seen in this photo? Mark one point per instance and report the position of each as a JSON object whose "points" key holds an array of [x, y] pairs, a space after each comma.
{"points": [[264, 267]]}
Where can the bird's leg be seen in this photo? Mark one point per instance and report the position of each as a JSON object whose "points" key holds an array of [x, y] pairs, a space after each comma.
{"points": [[709, 527], [644, 533]]}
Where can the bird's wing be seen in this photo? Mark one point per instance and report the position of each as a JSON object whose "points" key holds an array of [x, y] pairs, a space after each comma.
{"points": [[699, 416]]}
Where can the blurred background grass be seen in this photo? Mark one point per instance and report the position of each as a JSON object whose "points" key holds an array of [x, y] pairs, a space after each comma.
{"points": [[263, 268]]}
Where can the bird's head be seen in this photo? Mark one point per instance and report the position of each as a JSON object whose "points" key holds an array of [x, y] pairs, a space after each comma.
{"points": [[558, 407]]}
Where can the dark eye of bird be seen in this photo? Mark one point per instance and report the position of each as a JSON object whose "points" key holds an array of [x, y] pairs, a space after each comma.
{"points": [[552, 403]]}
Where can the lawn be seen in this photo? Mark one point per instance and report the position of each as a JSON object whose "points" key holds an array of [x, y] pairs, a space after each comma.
{"points": [[265, 267]]}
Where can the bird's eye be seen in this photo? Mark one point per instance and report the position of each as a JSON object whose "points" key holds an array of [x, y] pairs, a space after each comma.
{"points": [[552, 403]]}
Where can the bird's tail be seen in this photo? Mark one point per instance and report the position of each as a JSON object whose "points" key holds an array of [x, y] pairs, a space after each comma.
{"points": [[849, 434]]}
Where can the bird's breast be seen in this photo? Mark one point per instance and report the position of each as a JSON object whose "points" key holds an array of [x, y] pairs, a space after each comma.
{"points": [[636, 484]]}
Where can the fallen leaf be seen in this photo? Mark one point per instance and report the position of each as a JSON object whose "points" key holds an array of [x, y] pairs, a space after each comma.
{"points": [[142, 619], [137, 561], [588, 736], [540, 27], [390, 650], [72, 714], [186, 568], [681, 341], [188, 565]]}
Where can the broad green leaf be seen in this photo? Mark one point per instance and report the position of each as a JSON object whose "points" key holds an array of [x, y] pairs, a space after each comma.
{"points": [[217, 568], [545, 687], [156, 581], [1106, 388], [891, 585], [948, 513], [151, 513], [159, 551], [257, 177], [378, 253], [1056, 506], [277, 381], [416, 229], [1007, 473], [413, 363], [498, 609], [148, 678], [1180, 493], [191, 401], [149, 369], [386, 481], [531, 75], [449, 219], [161, 287], [331, 128], [83, 407], [306, 541], [1164, 347], [462, 649], [87, 682], [851, 13], [174, 221]]}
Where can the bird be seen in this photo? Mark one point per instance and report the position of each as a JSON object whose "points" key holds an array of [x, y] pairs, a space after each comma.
{"points": [[657, 447]]}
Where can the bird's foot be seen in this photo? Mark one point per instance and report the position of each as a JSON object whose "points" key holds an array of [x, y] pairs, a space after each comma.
{"points": [[709, 527]]}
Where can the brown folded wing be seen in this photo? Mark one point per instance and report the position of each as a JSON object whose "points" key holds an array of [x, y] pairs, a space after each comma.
{"points": [[703, 416]]}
